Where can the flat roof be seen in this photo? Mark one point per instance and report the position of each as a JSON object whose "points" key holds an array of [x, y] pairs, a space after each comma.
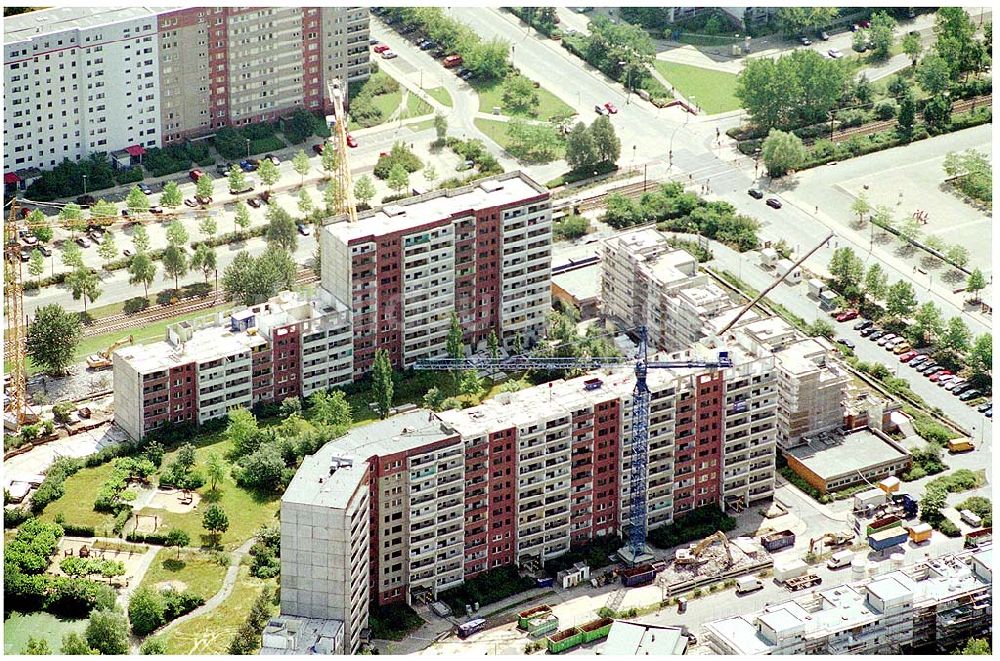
{"points": [[845, 454], [582, 284], [205, 345], [439, 205], [740, 634], [634, 639], [314, 485], [41, 22], [888, 588]]}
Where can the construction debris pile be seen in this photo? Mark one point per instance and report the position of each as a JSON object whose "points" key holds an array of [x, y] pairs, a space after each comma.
{"points": [[712, 557]]}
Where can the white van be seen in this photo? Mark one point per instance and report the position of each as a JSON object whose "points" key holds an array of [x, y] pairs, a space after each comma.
{"points": [[840, 559], [748, 584]]}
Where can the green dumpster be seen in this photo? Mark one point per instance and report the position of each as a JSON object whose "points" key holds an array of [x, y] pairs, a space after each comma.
{"points": [[564, 640], [596, 629]]}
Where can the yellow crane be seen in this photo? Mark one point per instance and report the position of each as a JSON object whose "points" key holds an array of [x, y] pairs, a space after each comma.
{"points": [[691, 555], [338, 141], [102, 360]]}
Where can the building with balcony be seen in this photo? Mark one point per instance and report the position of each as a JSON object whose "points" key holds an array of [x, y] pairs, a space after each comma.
{"points": [[930, 607], [482, 251]]}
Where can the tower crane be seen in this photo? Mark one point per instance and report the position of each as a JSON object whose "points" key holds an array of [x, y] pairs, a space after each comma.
{"points": [[338, 141], [636, 548]]}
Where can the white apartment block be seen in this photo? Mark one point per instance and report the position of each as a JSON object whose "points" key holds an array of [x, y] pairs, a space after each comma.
{"points": [[932, 606]]}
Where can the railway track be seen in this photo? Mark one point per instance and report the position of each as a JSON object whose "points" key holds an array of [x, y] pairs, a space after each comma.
{"points": [[628, 190], [962, 105], [122, 322]]}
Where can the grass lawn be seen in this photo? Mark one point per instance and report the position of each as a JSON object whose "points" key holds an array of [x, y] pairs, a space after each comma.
{"points": [[416, 127], [415, 107], [18, 627], [440, 95], [197, 570], [77, 504], [247, 511], [549, 105], [496, 131], [212, 632], [714, 91]]}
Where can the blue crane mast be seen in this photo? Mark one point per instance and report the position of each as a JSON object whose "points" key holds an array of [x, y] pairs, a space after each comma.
{"points": [[640, 410]]}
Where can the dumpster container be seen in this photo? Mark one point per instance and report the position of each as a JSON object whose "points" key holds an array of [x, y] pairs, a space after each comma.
{"points": [[542, 624], [564, 640], [778, 540], [546, 582], [884, 523], [641, 575], [596, 629], [524, 617]]}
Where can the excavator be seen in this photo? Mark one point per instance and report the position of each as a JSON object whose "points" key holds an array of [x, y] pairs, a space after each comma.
{"points": [[691, 555], [102, 360], [833, 539]]}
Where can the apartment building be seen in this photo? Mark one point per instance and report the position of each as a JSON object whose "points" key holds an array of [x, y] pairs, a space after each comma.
{"points": [[932, 606], [83, 80], [286, 347], [482, 251], [646, 282]]}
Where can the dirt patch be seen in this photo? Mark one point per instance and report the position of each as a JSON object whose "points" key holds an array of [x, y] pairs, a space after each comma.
{"points": [[176, 586], [175, 501]]}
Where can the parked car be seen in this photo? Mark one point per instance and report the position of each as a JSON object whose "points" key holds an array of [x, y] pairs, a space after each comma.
{"points": [[86, 200], [894, 342], [126, 213], [274, 159], [351, 142], [805, 41], [955, 385], [203, 200], [83, 241], [373, 41], [945, 380], [254, 202], [876, 335], [388, 55], [847, 315], [247, 166], [381, 48], [265, 197], [866, 332], [885, 339], [145, 188], [30, 240], [600, 110], [968, 394], [25, 254], [865, 24], [773, 202], [918, 360], [902, 348], [835, 53], [824, 36], [189, 202], [983, 408], [929, 368], [465, 75], [908, 356], [854, 27], [863, 324], [156, 210], [319, 148], [844, 341], [428, 45], [611, 108], [127, 252], [938, 375], [45, 250], [756, 193], [439, 53], [303, 229], [195, 175], [223, 168]]}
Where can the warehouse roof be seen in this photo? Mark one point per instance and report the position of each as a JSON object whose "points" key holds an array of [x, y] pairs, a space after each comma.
{"points": [[582, 284], [846, 454], [634, 639]]}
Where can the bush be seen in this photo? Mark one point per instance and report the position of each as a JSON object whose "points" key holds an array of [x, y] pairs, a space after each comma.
{"points": [[596, 553], [52, 487], [980, 506], [696, 524], [15, 516], [75, 530], [401, 155], [392, 621], [487, 588], [948, 529]]}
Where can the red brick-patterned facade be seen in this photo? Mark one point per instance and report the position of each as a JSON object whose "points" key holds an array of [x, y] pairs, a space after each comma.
{"points": [[502, 534], [698, 445], [218, 66], [312, 57], [170, 396], [286, 350], [607, 423]]}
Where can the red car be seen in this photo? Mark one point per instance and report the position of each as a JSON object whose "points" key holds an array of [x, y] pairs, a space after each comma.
{"points": [[866, 24], [381, 48], [940, 375], [195, 175], [847, 315], [351, 142], [611, 108], [319, 148], [908, 356]]}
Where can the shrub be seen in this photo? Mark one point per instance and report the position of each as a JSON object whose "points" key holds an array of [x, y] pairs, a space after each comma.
{"points": [[15, 516], [392, 621], [696, 524], [948, 528], [487, 588]]}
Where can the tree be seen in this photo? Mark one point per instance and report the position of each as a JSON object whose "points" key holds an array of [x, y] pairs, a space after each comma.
{"points": [[40, 225], [900, 300], [430, 173], [136, 201], [71, 255], [533, 142], [330, 407], [519, 95], [937, 111], [74, 644], [455, 346], [177, 538], [976, 646], [142, 269], [262, 470], [581, 151], [798, 88], [107, 632], [305, 202], [571, 226], [958, 255], [241, 429], [84, 283], [364, 189], [330, 161], [243, 215], [171, 196], [934, 500], [140, 238], [518, 346], [238, 179], [471, 385], [912, 46], [910, 229], [108, 251], [382, 382], [907, 115], [956, 337], [782, 152], [876, 282], [821, 328], [493, 344], [216, 469], [333, 196], [186, 456], [440, 127], [927, 325], [399, 178], [251, 280], [847, 270], [204, 186], [208, 227], [792, 21], [153, 645], [268, 173], [606, 142], [71, 216], [975, 283], [881, 34], [301, 165], [281, 230], [175, 263], [36, 264], [488, 60], [145, 610], [860, 41], [861, 206], [215, 522], [433, 398], [204, 260], [956, 42], [980, 359], [36, 647], [177, 234]]}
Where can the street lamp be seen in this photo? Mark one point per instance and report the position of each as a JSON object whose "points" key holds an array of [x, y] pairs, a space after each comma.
{"points": [[628, 80], [248, 147], [84, 184]]}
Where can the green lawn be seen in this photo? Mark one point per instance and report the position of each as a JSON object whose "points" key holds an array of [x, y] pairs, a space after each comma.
{"points": [[496, 131], [714, 91], [416, 107], [212, 632], [440, 95], [18, 627], [77, 504], [549, 105], [199, 571], [416, 127]]}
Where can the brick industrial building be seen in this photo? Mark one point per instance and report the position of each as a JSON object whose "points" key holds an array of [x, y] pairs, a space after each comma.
{"points": [[482, 251], [84, 80]]}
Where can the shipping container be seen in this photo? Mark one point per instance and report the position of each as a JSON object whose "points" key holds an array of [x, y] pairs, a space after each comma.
{"points": [[884, 523], [920, 532], [778, 540], [596, 629], [868, 499], [977, 538], [960, 445], [884, 539], [564, 640], [971, 518], [746, 584], [641, 575], [791, 569]]}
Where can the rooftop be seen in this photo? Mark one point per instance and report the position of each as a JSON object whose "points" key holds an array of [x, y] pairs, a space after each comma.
{"points": [[846, 454], [634, 639], [809, 355], [296, 635], [316, 483], [204, 345], [415, 212], [58, 19], [582, 284]]}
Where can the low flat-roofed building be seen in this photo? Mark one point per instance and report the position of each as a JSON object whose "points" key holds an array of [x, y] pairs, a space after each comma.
{"points": [[831, 462], [635, 639], [289, 635], [580, 288]]}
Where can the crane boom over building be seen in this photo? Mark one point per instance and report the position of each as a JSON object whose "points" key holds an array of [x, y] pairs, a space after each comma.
{"points": [[636, 551], [338, 141]]}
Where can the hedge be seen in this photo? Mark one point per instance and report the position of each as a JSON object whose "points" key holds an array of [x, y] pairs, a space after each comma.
{"points": [[53, 486], [696, 524], [492, 586], [392, 621]]}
